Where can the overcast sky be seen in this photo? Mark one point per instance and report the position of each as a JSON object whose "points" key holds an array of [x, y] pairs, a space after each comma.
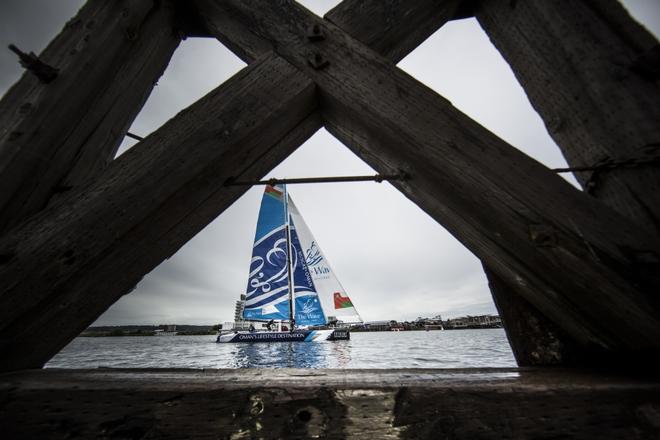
{"points": [[394, 261]]}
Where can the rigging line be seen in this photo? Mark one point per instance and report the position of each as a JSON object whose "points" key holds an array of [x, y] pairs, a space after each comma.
{"points": [[134, 136], [376, 178]]}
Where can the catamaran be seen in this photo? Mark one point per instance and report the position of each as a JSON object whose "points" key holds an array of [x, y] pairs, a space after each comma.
{"points": [[290, 281]]}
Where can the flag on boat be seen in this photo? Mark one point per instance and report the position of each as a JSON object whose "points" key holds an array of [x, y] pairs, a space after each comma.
{"points": [[277, 192], [342, 302]]}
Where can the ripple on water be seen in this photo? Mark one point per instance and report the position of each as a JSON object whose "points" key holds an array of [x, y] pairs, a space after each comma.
{"points": [[434, 349]]}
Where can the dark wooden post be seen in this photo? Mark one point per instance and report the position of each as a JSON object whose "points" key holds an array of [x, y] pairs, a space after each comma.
{"points": [[530, 227], [57, 134], [587, 68], [70, 262]]}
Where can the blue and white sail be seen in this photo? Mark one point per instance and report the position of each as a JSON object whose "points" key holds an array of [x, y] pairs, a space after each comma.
{"points": [[267, 294], [307, 310]]}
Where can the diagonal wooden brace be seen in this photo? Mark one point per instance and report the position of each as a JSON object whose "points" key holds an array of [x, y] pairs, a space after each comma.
{"points": [[57, 136], [71, 262], [393, 29]]}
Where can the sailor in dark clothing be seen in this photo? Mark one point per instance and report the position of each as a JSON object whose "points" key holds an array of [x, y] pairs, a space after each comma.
{"points": [[270, 324], [252, 329]]}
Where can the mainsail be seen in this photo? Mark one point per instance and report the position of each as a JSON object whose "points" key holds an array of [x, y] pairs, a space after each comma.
{"points": [[334, 300], [267, 294]]}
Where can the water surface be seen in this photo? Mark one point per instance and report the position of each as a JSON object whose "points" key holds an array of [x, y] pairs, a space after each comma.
{"points": [[410, 349]]}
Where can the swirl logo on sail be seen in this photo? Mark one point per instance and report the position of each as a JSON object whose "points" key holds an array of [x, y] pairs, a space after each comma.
{"points": [[309, 307], [313, 255], [275, 264]]}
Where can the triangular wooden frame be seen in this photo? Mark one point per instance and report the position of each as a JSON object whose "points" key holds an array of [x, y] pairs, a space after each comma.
{"points": [[572, 258]]}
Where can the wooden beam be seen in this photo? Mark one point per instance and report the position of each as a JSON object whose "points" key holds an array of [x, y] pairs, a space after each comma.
{"points": [[572, 258], [57, 135], [299, 403], [393, 29], [583, 69], [537, 341], [68, 264]]}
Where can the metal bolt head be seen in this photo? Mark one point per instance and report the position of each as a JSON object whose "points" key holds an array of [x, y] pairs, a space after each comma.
{"points": [[317, 61], [314, 33]]}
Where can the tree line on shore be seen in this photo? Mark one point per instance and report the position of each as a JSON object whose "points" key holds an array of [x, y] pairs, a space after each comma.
{"points": [[150, 330]]}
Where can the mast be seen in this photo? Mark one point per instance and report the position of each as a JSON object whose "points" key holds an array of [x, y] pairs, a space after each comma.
{"points": [[288, 258]]}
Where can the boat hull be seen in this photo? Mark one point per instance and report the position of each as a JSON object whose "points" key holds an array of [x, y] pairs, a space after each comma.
{"points": [[296, 336]]}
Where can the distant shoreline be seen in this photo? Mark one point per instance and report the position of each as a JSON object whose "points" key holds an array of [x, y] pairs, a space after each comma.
{"points": [[421, 324], [122, 333], [149, 330]]}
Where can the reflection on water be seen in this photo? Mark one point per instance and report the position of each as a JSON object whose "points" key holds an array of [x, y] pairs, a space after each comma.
{"points": [[291, 355], [434, 349]]}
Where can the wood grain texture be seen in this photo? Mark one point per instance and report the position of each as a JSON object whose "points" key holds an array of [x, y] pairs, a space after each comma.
{"points": [[72, 261], [537, 341], [56, 136], [485, 192], [393, 28], [576, 62], [335, 404]]}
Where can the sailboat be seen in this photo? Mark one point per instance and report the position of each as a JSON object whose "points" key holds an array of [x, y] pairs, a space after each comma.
{"points": [[290, 282]]}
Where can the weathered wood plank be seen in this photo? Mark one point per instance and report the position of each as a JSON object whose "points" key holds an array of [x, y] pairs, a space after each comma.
{"points": [[393, 28], [534, 339], [577, 63], [55, 136], [72, 261], [337, 404], [582, 274]]}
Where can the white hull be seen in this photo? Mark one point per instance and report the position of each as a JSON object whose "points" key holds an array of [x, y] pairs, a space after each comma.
{"points": [[296, 336]]}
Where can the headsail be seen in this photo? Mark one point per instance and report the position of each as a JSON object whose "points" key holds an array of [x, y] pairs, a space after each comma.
{"points": [[268, 290], [334, 300], [307, 310]]}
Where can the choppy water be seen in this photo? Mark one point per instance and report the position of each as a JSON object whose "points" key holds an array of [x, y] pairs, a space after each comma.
{"points": [[416, 349]]}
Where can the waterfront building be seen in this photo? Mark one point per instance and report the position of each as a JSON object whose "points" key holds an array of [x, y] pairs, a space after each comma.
{"points": [[480, 321], [238, 310]]}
